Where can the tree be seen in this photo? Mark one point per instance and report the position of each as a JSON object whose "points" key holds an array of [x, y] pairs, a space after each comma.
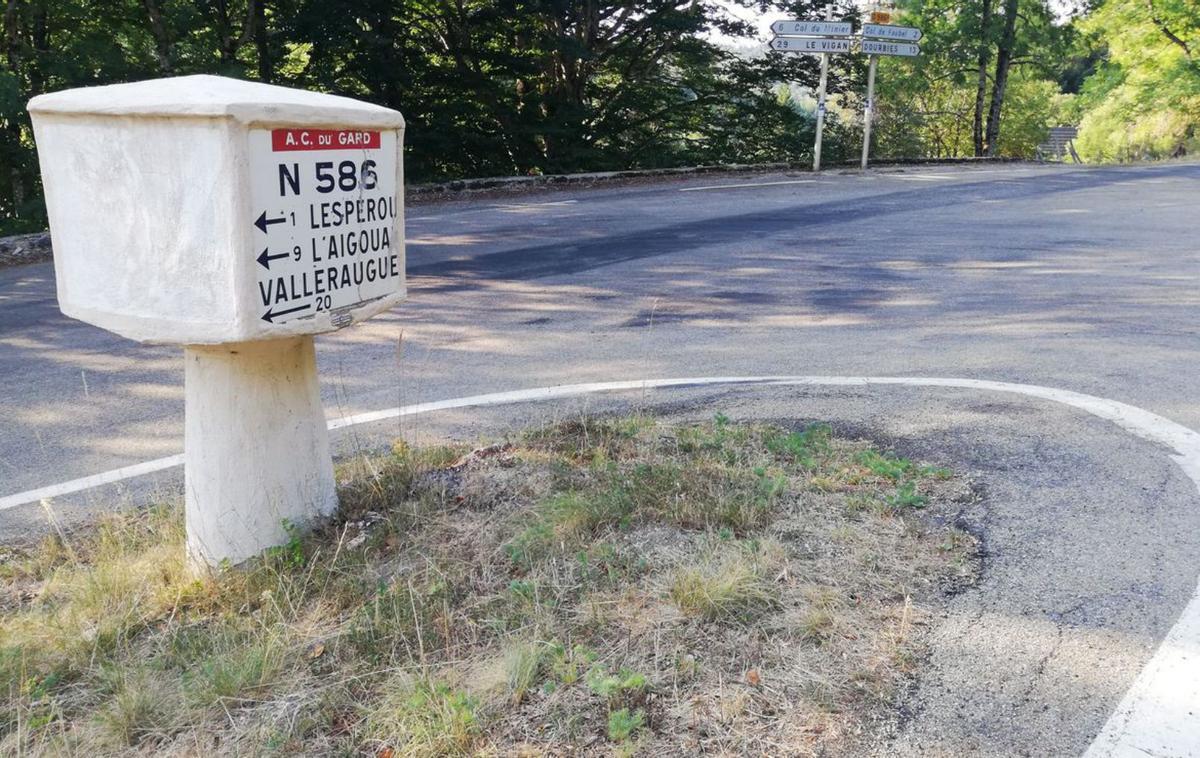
{"points": [[543, 86], [48, 45], [1143, 99], [950, 100]]}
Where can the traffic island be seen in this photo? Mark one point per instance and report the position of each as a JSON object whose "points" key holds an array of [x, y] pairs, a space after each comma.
{"points": [[607, 584]]}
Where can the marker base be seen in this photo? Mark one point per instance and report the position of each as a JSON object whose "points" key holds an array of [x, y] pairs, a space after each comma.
{"points": [[256, 448]]}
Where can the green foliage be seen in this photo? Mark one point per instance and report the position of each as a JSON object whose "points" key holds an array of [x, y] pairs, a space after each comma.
{"points": [[614, 686], [1143, 101], [802, 448], [699, 493], [906, 497], [621, 692], [1033, 106], [563, 519], [290, 554], [488, 87], [928, 105], [566, 666], [425, 718], [885, 464], [622, 724], [901, 471]]}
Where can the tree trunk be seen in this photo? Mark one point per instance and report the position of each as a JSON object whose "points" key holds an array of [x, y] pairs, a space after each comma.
{"points": [[985, 56], [262, 46], [162, 37], [1004, 56], [224, 32], [12, 36], [13, 56]]}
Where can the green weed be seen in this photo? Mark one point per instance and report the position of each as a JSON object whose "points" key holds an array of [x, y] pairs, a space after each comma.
{"points": [[804, 448], [566, 666], [622, 724], [616, 688], [906, 496], [424, 718]]}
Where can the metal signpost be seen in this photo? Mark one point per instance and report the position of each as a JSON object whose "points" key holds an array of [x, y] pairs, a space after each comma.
{"points": [[869, 110], [814, 37], [883, 44], [833, 37]]}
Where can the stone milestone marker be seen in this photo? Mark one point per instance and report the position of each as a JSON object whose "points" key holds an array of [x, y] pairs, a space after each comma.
{"points": [[238, 220]]}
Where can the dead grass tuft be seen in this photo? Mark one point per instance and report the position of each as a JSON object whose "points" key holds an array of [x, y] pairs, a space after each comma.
{"points": [[732, 585]]}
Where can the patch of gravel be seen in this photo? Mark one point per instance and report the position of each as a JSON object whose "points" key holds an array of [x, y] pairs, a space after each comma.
{"points": [[25, 248]]}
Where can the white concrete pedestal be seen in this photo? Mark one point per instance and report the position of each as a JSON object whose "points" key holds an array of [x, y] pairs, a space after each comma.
{"points": [[256, 447]]}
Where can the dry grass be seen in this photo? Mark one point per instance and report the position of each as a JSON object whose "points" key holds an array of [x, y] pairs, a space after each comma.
{"points": [[588, 588], [731, 584]]}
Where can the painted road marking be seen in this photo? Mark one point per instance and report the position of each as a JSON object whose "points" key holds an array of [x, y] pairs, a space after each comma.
{"points": [[520, 207], [1158, 714], [474, 212], [91, 482], [920, 177], [740, 186]]}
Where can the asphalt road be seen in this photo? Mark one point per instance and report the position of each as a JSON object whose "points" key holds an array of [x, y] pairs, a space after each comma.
{"points": [[1076, 278]]}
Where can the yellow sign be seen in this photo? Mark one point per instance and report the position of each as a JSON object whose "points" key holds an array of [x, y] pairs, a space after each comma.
{"points": [[880, 17]]}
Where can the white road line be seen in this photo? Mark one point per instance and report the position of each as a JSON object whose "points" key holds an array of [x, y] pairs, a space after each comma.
{"points": [[91, 482], [1159, 714], [751, 184], [523, 206], [503, 208], [920, 177]]}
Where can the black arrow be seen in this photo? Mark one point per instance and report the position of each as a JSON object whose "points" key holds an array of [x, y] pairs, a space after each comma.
{"points": [[263, 222], [270, 317], [265, 259]]}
